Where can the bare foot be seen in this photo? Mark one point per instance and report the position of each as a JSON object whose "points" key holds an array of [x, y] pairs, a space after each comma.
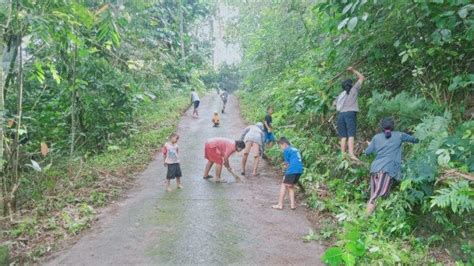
{"points": [[220, 180], [255, 174], [169, 189], [293, 207], [277, 207], [180, 186], [353, 157]]}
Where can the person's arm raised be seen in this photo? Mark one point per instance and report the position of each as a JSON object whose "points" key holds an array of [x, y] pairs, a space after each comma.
{"points": [[360, 77]]}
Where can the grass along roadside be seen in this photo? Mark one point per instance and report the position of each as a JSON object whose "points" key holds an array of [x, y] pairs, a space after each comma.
{"points": [[68, 194]]}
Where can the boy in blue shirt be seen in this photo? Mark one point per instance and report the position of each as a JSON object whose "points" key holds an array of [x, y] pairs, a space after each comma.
{"points": [[294, 169]]}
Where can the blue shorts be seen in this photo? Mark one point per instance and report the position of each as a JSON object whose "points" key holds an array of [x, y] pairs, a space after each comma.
{"points": [[269, 137], [347, 124], [196, 104]]}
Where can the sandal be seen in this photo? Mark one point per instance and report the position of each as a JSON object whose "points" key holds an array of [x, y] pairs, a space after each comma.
{"points": [[220, 181], [207, 177], [293, 208], [277, 207]]}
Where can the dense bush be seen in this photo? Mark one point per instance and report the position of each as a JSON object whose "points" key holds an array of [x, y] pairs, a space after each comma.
{"points": [[89, 89], [415, 56]]}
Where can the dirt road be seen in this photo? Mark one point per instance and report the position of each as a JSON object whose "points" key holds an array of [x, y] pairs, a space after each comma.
{"points": [[205, 223]]}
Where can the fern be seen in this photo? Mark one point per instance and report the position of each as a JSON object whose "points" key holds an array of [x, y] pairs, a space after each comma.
{"points": [[459, 196], [408, 110]]}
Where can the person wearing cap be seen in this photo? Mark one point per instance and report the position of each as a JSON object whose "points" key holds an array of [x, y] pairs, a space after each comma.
{"points": [[218, 151], [254, 139], [386, 166]]}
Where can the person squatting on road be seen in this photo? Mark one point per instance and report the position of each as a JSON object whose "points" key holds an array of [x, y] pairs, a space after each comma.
{"points": [[387, 146], [254, 139], [268, 129], [216, 120], [224, 95], [347, 107], [195, 102], [171, 160], [218, 151], [294, 169]]}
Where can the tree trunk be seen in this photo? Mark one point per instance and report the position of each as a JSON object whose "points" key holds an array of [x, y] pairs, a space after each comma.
{"points": [[181, 29], [2, 123], [16, 161], [73, 103]]}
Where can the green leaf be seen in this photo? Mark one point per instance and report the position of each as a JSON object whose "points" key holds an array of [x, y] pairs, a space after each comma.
{"points": [[349, 259], [356, 248], [333, 256], [353, 235], [352, 23], [346, 8], [342, 24], [463, 12], [54, 73], [404, 58]]}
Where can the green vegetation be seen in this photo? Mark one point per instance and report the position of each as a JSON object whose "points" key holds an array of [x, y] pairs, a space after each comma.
{"points": [[417, 59], [89, 90]]}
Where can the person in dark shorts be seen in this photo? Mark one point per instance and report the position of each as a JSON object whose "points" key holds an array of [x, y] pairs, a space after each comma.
{"points": [[387, 146], [224, 95], [347, 106], [195, 101], [268, 128], [171, 159], [294, 169]]}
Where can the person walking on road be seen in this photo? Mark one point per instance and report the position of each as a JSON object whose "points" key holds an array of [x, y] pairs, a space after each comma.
{"points": [[347, 107], [218, 151], [254, 139], [224, 95], [195, 102], [387, 146]]}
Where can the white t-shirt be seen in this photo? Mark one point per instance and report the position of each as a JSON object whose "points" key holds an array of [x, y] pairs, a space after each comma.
{"points": [[194, 96]]}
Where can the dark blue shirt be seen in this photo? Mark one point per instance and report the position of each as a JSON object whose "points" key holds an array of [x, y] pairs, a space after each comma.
{"points": [[268, 119], [292, 157]]}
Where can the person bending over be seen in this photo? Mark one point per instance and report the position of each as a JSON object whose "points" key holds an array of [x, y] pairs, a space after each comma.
{"points": [[218, 151], [254, 139], [387, 146]]}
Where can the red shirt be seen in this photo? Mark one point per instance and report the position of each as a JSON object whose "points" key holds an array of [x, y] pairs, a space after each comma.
{"points": [[224, 147]]}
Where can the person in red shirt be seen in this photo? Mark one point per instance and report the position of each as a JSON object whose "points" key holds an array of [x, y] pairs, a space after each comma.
{"points": [[217, 151]]}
